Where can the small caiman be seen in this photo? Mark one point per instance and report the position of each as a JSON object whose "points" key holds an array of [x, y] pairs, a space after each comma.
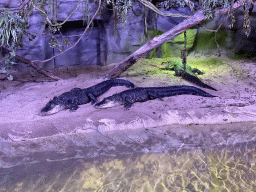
{"points": [[189, 73]]}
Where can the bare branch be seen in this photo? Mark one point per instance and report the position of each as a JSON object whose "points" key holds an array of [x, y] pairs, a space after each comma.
{"points": [[77, 40], [58, 24]]}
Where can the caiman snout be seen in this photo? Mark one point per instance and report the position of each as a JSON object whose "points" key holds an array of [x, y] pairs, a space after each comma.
{"points": [[51, 110], [105, 104]]}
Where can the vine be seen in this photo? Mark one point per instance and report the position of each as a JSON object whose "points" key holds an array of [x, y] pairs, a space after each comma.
{"points": [[246, 21]]}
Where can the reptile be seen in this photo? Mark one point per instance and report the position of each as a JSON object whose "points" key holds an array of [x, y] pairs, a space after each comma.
{"points": [[71, 100], [142, 94], [189, 75]]}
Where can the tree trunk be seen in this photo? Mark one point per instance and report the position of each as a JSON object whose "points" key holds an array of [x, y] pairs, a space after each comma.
{"points": [[197, 18]]}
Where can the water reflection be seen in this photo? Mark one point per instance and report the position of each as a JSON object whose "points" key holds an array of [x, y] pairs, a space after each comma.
{"points": [[126, 162]]}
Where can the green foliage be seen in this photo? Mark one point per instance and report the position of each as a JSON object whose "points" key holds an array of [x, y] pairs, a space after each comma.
{"points": [[12, 28], [122, 7]]}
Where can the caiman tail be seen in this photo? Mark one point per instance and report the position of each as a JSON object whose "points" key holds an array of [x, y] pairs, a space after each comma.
{"points": [[181, 90], [160, 92], [196, 81], [113, 83]]}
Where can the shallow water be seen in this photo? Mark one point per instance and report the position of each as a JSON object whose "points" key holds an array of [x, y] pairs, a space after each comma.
{"points": [[177, 158]]}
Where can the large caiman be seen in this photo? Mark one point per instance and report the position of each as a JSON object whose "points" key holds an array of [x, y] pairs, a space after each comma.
{"points": [[71, 100], [142, 94]]}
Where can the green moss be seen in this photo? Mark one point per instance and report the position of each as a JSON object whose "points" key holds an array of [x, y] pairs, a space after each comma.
{"points": [[195, 62], [148, 67], [205, 65], [191, 34], [214, 62], [166, 50], [153, 66], [172, 47]]}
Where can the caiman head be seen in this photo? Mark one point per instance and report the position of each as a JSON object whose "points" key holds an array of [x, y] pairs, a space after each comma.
{"points": [[51, 107], [106, 103]]}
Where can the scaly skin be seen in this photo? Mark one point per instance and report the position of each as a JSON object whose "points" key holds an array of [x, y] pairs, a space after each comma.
{"points": [[71, 100], [189, 74], [142, 94]]}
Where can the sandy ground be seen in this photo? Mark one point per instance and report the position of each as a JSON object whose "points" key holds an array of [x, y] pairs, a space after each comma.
{"points": [[183, 143], [22, 99]]}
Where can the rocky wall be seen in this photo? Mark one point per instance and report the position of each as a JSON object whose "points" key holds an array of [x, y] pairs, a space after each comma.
{"points": [[99, 46]]}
